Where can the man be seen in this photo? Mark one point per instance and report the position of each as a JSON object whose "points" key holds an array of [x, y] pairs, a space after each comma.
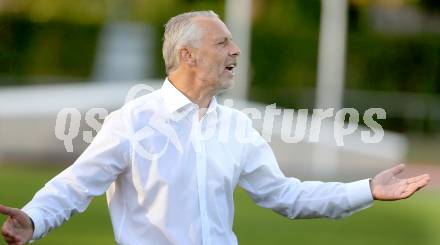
{"points": [[182, 193]]}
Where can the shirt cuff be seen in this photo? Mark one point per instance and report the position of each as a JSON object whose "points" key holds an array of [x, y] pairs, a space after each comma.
{"points": [[35, 215], [359, 194]]}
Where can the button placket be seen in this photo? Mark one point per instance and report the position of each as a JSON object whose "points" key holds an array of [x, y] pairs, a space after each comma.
{"points": [[200, 151]]}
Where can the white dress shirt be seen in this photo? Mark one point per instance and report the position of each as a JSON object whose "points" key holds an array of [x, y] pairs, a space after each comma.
{"points": [[170, 177]]}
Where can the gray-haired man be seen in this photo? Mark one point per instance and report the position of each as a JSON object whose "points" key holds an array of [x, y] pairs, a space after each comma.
{"points": [[184, 195]]}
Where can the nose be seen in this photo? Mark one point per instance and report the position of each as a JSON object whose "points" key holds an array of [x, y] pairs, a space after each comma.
{"points": [[235, 50]]}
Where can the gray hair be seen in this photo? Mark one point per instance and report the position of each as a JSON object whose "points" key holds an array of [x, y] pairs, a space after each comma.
{"points": [[180, 31]]}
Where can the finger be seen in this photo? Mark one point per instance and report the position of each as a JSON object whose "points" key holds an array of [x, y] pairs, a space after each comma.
{"points": [[414, 187], [7, 210], [10, 239], [421, 183], [7, 235], [9, 228], [6, 230], [397, 169], [17, 242], [18, 215], [418, 178]]}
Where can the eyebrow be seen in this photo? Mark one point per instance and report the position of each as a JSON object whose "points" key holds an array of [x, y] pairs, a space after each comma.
{"points": [[223, 39]]}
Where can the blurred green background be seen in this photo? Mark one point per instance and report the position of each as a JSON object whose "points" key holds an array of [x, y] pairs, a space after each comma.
{"points": [[412, 221], [56, 41]]}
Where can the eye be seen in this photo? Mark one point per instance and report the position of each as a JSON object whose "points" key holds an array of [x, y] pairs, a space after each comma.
{"points": [[223, 42]]}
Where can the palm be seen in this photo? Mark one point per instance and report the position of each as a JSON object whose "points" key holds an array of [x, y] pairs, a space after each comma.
{"points": [[386, 186], [17, 229]]}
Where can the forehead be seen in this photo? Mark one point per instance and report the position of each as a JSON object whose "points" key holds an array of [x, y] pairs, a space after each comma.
{"points": [[212, 28]]}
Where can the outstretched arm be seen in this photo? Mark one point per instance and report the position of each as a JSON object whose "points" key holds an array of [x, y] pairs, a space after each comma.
{"points": [[263, 180], [18, 228], [268, 187], [71, 191], [386, 186]]}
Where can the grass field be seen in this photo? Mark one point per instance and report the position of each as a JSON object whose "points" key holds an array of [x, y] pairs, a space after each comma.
{"points": [[412, 221]]}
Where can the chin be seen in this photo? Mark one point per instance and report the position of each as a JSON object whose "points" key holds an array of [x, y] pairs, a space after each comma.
{"points": [[227, 84]]}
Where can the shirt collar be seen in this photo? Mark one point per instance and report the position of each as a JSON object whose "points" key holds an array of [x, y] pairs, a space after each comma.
{"points": [[174, 100], [212, 105]]}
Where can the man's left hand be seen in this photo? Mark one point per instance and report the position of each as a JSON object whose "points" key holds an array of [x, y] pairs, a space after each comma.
{"points": [[387, 187]]}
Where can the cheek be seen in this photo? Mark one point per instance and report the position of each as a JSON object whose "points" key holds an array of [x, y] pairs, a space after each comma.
{"points": [[211, 63]]}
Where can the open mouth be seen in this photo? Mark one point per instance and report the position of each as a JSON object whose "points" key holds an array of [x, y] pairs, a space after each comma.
{"points": [[231, 67]]}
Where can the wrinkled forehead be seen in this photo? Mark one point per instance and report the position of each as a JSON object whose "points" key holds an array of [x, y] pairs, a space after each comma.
{"points": [[212, 27]]}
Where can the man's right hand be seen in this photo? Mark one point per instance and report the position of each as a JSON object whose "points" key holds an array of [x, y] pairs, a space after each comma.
{"points": [[18, 228]]}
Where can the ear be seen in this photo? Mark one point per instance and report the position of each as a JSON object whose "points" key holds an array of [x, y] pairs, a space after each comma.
{"points": [[187, 56]]}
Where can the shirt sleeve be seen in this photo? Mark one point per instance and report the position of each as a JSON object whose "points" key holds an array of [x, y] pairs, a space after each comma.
{"points": [[263, 180], [92, 173]]}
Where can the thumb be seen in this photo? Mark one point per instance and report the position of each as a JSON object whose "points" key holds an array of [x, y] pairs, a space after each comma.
{"points": [[8, 211], [397, 169], [17, 214]]}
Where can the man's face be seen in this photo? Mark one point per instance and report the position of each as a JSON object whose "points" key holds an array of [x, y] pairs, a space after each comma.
{"points": [[216, 54]]}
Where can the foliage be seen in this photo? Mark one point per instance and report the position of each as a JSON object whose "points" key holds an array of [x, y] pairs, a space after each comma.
{"points": [[58, 39]]}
